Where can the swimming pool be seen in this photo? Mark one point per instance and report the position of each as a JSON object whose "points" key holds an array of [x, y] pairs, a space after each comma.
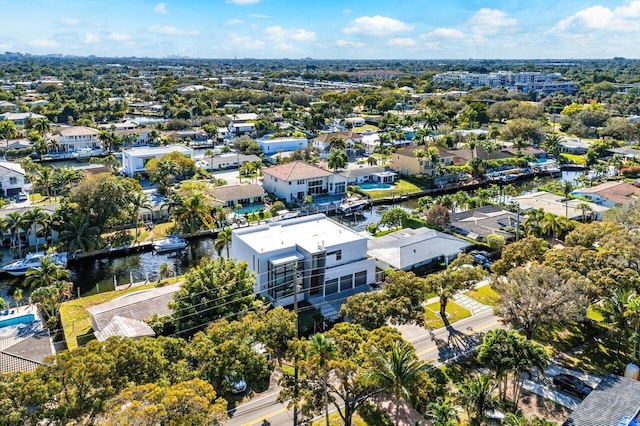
{"points": [[22, 319], [372, 186], [253, 208]]}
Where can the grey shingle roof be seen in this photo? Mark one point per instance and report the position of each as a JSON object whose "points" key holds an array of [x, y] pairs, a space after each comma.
{"points": [[614, 398], [124, 327], [238, 192]]}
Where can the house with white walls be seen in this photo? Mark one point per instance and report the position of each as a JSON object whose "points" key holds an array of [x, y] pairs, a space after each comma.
{"points": [[294, 181], [76, 138], [135, 160], [323, 257]]}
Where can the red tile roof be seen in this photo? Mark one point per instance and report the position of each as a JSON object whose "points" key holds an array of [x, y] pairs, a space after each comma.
{"points": [[296, 170]]}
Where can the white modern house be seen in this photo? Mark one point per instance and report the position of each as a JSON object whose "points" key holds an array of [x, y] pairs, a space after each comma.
{"points": [[323, 141], [294, 181], [134, 160], [12, 178], [19, 118], [323, 257], [273, 146], [242, 123], [76, 138]]}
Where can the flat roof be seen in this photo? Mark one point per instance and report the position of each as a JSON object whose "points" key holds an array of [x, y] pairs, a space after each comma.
{"points": [[143, 151], [312, 233]]}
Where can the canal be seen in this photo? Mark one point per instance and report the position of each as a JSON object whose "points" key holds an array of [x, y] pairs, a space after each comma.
{"points": [[98, 275]]}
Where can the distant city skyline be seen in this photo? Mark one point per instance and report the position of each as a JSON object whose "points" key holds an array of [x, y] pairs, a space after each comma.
{"points": [[329, 29]]}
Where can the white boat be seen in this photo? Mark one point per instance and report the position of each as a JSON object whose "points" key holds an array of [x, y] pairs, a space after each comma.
{"points": [[352, 205], [283, 215], [32, 260], [171, 243]]}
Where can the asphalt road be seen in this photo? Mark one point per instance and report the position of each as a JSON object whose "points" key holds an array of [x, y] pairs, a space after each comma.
{"points": [[435, 346]]}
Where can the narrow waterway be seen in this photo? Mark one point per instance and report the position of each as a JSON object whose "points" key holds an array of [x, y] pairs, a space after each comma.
{"points": [[97, 275]]}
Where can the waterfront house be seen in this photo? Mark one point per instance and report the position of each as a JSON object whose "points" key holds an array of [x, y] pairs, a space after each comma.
{"points": [[294, 181], [409, 160], [323, 257], [12, 178], [481, 222], [625, 152], [134, 160], [553, 203], [19, 118], [363, 173], [197, 135], [125, 316], [273, 146], [610, 194], [143, 136], [323, 142], [231, 160], [244, 195], [242, 123], [408, 249], [76, 138]]}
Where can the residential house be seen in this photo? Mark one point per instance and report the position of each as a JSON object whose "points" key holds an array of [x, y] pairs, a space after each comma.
{"points": [[322, 257], [28, 239], [242, 123], [6, 106], [142, 136], [355, 121], [481, 222], [231, 160], [553, 203], [614, 402], [625, 152], [19, 118], [323, 142], [407, 161], [134, 160], [125, 316], [573, 146], [409, 249], [273, 146], [24, 347], [197, 135], [610, 194], [244, 195], [294, 181], [364, 173], [76, 138], [127, 125], [12, 179]]}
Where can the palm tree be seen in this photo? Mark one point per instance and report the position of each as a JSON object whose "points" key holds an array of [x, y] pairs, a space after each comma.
{"points": [[223, 241], [42, 125], [15, 224], [397, 371], [53, 144], [442, 413], [139, 201], [337, 159], [551, 144], [163, 271], [79, 234], [336, 142], [323, 349], [34, 217], [371, 160], [18, 295], [613, 310], [108, 139], [46, 179], [209, 153], [476, 395], [550, 225], [584, 208], [48, 273], [193, 212], [8, 130]]}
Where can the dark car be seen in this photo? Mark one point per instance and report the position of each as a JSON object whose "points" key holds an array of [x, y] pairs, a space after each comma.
{"points": [[482, 260], [572, 385]]}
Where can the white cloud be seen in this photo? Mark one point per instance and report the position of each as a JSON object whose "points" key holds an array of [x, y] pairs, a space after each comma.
{"points": [[279, 33], [43, 43], [349, 43], [623, 18], [377, 26], [243, 2], [346, 11], [118, 37], [169, 30], [69, 22], [92, 38], [450, 33], [161, 9], [490, 21], [259, 15], [245, 42], [401, 42], [231, 22]]}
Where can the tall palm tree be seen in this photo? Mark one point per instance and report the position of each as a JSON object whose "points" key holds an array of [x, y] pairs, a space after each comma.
{"points": [[323, 349], [48, 273], [337, 159], [567, 188], [163, 271], [209, 153], [8, 130], [584, 208], [223, 241], [15, 224], [42, 125], [34, 217], [550, 225], [139, 201], [193, 212], [79, 234], [46, 179], [442, 413], [371, 160], [397, 371], [336, 142], [53, 144], [613, 310], [476, 395]]}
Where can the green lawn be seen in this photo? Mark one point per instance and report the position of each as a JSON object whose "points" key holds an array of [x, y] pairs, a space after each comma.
{"points": [[485, 295], [76, 321], [574, 158], [402, 187], [455, 311], [362, 129]]}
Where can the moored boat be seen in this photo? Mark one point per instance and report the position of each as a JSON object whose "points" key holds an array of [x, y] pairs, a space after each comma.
{"points": [[352, 205], [32, 260], [171, 243]]}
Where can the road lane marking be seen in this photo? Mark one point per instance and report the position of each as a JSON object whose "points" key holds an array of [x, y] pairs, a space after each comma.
{"points": [[268, 416]]}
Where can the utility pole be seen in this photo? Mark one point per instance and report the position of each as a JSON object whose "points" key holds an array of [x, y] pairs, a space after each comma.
{"points": [[296, 281]]}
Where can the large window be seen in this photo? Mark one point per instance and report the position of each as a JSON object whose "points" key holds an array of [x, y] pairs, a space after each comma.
{"points": [[340, 188], [331, 287], [361, 278], [315, 187], [281, 279], [346, 282]]}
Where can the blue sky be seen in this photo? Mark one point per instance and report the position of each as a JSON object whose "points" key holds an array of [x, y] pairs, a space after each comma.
{"points": [[367, 29]]}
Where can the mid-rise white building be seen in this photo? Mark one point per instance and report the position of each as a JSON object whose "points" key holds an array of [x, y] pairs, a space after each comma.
{"points": [[324, 258], [135, 160]]}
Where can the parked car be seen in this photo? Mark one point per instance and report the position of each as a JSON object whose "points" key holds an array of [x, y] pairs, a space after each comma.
{"points": [[22, 196], [572, 385], [482, 260], [236, 383]]}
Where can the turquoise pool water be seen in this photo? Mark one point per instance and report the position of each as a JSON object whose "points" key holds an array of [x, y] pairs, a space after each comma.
{"points": [[372, 186], [22, 319], [250, 209]]}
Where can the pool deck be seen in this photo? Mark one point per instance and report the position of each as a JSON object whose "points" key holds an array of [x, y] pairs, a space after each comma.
{"points": [[23, 347]]}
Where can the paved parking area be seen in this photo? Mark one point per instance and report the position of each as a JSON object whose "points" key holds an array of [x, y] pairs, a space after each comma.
{"points": [[545, 388]]}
